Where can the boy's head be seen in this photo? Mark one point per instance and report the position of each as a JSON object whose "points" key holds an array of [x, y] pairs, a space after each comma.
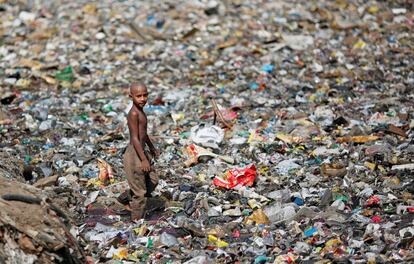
{"points": [[139, 94]]}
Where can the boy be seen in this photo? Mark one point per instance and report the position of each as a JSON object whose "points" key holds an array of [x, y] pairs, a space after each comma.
{"points": [[136, 159]]}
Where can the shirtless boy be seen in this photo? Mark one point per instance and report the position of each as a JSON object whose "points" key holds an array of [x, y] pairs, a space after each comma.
{"points": [[137, 163]]}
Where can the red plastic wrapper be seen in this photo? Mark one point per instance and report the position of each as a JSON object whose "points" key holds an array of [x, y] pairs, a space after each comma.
{"points": [[236, 176], [236, 234], [376, 219], [373, 200]]}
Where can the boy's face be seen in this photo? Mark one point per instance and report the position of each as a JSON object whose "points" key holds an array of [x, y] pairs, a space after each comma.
{"points": [[139, 95]]}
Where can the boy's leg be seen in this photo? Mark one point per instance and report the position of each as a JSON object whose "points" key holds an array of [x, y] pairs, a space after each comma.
{"points": [[136, 182], [151, 180], [154, 180], [153, 203], [138, 200]]}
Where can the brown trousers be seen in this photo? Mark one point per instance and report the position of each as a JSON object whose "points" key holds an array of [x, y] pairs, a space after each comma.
{"points": [[141, 183]]}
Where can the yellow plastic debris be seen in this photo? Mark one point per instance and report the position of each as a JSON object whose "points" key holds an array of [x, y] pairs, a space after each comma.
{"points": [[89, 9], [359, 45], [201, 177], [218, 242], [373, 9], [333, 242], [121, 254], [23, 83], [253, 204], [177, 117], [369, 165]]}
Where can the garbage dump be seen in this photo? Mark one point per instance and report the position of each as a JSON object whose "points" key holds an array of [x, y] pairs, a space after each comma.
{"points": [[285, 130]]}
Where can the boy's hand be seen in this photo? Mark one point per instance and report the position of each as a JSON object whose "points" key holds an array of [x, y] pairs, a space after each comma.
{"points": [[145, 166]]}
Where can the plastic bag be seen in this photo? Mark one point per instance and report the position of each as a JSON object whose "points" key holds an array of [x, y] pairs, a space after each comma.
{"points": [[208, 136]]}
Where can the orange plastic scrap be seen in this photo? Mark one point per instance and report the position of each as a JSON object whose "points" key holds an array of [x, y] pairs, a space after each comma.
{"points": [[259, 217], [334, 170], [289, 139], [122, 253], [105, 172], [357, 139], [228, 43]]}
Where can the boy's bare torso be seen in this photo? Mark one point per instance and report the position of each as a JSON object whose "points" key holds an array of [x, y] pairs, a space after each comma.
{"points": [[141, 125]]}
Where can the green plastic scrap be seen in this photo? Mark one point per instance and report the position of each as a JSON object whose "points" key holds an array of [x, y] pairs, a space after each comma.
{"points": [[342, 198], [65, 75], [260, 259]]}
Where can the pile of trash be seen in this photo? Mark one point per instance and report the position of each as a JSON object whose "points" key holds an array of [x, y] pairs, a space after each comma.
{"points": [[32, 228], [286, 130]]}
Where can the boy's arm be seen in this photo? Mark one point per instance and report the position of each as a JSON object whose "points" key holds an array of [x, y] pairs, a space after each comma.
{"points": [[133, 133]]}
